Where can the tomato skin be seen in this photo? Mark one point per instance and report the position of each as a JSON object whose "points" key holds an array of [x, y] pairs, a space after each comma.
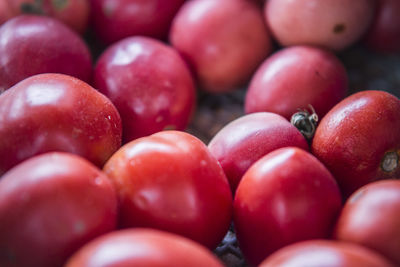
{"points": [[50, 205], [245, 140], [294, 78], [5, 12], [56, 112], [150, 85], [142, 247], [117, 19], [370, 218], [36, 44], [170, 181], [285, 197], [325, 253], [352, 139], [223, 42]]}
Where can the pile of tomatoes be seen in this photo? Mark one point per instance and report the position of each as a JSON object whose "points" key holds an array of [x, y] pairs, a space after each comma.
{"points": [[98, 167]]}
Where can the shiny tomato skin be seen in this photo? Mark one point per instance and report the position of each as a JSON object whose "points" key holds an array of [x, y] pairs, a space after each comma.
{"points": [[223, 41], [150, 85], [245, 140], [143, 247], [353, 137], [51, 205], [56, 112], [114, 20], [294, 78], [170, 181], [370, 218], [31, 44], [327, 253], [285, 197]]}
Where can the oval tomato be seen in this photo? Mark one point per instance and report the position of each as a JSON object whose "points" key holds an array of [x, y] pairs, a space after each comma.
{"points": [[285, 197], [143, 247], [51, 205], [170, 181]]}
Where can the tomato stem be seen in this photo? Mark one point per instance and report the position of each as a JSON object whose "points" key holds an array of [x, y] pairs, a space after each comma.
{"points": [[305, 122], [390, 161]]}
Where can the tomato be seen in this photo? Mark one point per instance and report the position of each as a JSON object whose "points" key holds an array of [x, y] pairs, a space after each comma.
{"points": [[359, 139], [32, 44], [223, 41], [5, 12], [325, 253], [143, 247], [294, 78], [150, 85], [50, 205], [56, 112], [114, 20], [170, 181], [285, 197], [333, 24], [370, 218], [245, 140], [384, 33]]}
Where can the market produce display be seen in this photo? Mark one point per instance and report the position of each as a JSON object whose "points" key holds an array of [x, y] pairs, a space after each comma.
{"points": [[231, 133]]}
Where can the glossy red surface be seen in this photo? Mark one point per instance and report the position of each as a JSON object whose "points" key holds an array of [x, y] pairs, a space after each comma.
{"points": [[50, 206], [325, 253], [114, 20], [32, 44], [295, 77], [285, 197], [150, 85], [143, 247], [245, 140], [55, 112], [224, 41], [353, 137], [170, 181], [370, 218]]}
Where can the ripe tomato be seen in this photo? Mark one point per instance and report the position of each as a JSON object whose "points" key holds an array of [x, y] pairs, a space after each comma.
{"points": [[150, 85], [170, 181], [143, 247], [370, 218], [245, 140], [325, 253], [56, 112], [285, 197], [50, 205], [359, 139]]}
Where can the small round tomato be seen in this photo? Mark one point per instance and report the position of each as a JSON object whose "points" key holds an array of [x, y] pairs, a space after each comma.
{"points": [[325, 253], [170, 181], [359, 139], [143, 247], [32, 44], [245, 140], [56, 112], [150, 85], [370, 218], [285, 197], [51, 205], [294, 78]]}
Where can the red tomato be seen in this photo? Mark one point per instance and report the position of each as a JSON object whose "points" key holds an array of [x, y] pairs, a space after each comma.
{"points": [[32, 44], [114, 20], [143, 247], [359, 139], [325, 253], [50, 205], [245, 140], [371, 218], [170, 181], [55, 112], [294, 78], [285, 197], [5, 12], [150, 85], [223, 41]]}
